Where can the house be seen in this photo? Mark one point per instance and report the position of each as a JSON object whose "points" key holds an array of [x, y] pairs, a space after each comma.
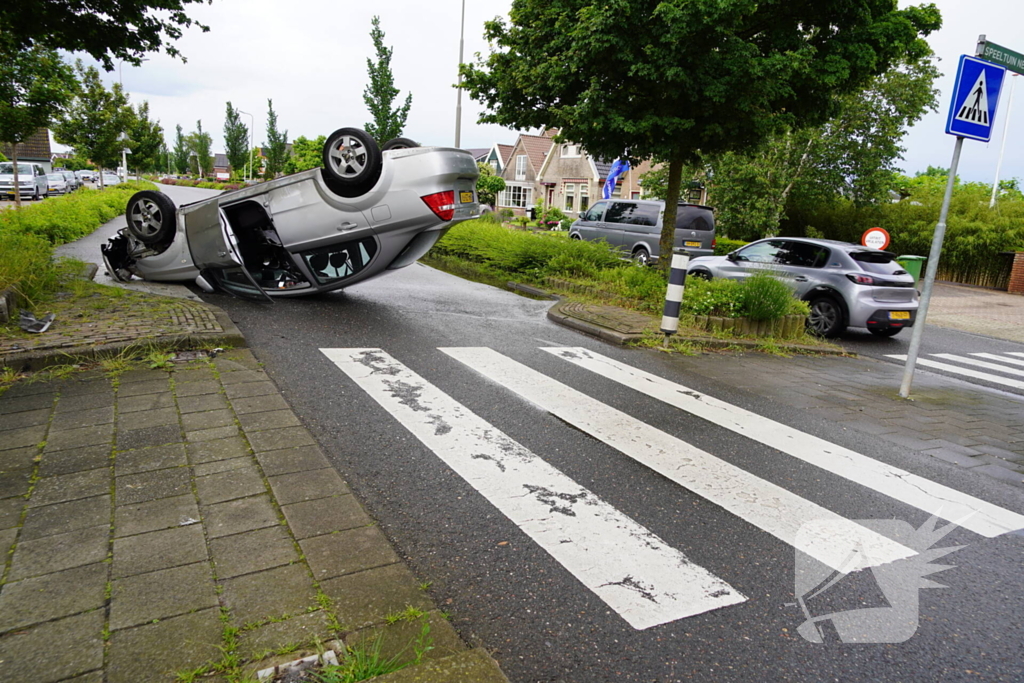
{"points": [[572, 180], [521, 172], [36, 149], [221, 166], [479, 154], [497, 157]]}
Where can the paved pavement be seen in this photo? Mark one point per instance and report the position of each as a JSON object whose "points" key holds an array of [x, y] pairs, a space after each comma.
{"points": [[189, 506]]}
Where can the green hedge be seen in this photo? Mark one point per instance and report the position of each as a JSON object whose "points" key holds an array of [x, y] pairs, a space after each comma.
{"points": [[724, 245], [67, 218]]}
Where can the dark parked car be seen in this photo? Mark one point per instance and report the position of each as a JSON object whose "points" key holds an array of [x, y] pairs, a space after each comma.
{"points": [[369, 210], [633, 226], [847, 285]]}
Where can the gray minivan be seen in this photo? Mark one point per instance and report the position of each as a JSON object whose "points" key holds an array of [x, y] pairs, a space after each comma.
{"points": [[633, 226]]}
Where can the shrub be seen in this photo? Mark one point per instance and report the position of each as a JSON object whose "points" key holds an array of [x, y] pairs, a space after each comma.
{"points": [[712, 297], [760, 297], [724, 245], [764, 297]]}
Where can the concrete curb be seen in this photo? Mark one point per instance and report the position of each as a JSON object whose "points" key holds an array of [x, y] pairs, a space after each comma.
{"points": [[30, 361], [556, 315]]}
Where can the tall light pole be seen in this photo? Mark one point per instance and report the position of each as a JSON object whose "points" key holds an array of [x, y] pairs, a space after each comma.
{"points": [[458, 102], [252, 125], [1002, 148], [124, 135]]}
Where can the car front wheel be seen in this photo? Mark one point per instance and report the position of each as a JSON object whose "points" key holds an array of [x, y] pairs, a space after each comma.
{"points": [[700, 274], [575, 236], [826, 318], [151, 217]]}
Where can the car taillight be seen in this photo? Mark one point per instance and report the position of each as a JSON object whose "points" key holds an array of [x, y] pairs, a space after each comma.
{"points": [[861, 279], [714, 242], [442, 204]]}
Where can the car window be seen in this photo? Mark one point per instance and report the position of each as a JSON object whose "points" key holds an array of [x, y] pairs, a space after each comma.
{"points": [[594, 213], [878, 262], [802, 254], [761, 252], [618, 212], [693, 218], [645, 214]]}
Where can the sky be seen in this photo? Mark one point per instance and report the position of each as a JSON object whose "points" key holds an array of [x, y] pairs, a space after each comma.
{"points": [[311, 60]]}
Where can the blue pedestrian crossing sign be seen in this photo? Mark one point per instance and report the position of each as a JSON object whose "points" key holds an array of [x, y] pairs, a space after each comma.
{"points": [[975, 98]]}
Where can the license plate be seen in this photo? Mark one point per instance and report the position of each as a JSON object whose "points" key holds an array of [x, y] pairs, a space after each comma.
{"points": [[465, 197], [899, 315], [692, 244]]}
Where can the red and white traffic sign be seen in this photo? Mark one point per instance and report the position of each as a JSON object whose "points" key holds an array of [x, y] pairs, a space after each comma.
{"points": [[875, 238]]}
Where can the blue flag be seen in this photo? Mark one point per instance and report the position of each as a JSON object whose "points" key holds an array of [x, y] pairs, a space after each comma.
{"points": [[618, 168]]}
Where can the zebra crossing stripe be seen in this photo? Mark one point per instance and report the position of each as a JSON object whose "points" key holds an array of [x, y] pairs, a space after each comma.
{"points": [[957, 370], [1001, 359], [969, 512], [1015, 353], [631, 569], [978, 363], [843, 544]]}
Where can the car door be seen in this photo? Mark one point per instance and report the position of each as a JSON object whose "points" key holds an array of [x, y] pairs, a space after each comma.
{"points": [[215, 252], [758, 257], [588, 223], [614, 221], [639, 227], [800, 264]]}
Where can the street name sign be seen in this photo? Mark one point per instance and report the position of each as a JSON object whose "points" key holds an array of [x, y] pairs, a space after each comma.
{"points": [[975, 98], [990, 52]]}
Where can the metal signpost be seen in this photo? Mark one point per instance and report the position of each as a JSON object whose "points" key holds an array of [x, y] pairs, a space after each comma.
{"points": [[971, 115]]}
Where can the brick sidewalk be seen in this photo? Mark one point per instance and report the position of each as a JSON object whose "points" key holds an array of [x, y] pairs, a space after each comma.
{"points": [[164, 521], [980, 311]]}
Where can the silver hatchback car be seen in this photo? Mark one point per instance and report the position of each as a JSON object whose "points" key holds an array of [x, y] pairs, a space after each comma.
{"points": [[369, 210], [847, 285]]}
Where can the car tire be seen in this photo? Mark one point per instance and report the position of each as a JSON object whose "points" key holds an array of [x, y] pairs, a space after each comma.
{"points": [[827, 317], [399, 143], [151, 217], [575, 236], [885, 331], [641, 256], [700, 274], [352, 161]]}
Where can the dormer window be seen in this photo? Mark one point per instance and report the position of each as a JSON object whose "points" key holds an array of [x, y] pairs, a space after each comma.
{"points": [[570, 150]]}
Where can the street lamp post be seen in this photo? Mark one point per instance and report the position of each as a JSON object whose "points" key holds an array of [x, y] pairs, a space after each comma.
{"points": [[124, 134], [458, 101], [252, 125]]}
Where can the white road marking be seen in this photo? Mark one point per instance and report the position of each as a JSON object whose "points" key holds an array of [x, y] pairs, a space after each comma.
{"points": [[1001, 359], [759, 502], [978, 363], [969, 512], [634, 571], [1016, 353], [957, 370]]}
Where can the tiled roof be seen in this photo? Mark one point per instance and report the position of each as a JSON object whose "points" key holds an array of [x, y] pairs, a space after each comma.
{"points": [[603, 167], [36, 148], [506, 153], [537, 148], [478, 153]]}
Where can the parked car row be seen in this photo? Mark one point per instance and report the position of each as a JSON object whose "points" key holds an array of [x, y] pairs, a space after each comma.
{"points": [[846, 285], [35, 183]]}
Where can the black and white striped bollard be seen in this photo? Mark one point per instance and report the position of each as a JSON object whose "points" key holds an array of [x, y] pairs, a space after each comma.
{"points": [[674, 293]]}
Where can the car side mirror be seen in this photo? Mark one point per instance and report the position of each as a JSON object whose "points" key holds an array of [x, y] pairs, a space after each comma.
{"points": [[732, 256]]}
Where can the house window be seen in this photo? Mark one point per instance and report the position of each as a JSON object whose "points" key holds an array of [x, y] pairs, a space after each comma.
{"points": [[517, 196], [521, 167], [570, 150], [634, 195], [494, 165], [584, 197], [570, 197]]}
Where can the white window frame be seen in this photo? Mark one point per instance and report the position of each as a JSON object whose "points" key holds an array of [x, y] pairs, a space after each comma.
{"points": [[516, 196], [521, 167], [570, 151], [569, 192], [584, 197]]}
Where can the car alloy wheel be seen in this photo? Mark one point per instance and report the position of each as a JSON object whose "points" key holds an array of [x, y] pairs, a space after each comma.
{"points": [[151, 217], [826, 317], [642, 257]]}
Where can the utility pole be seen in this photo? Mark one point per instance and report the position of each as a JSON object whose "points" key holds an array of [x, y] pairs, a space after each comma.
{"points": [[252, 124], [458, 102], [1002, 148]]}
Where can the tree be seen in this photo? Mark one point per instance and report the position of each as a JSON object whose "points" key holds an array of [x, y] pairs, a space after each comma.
{"points": [[146, 140], [387, 123], [276, 146], [488, 185], [236, 139], [106, 29], [306, 154], [96, 120], [199, 146], [678, 78], [35, 84], [179, 156]]}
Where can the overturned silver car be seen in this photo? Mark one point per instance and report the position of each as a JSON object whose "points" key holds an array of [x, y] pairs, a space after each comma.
{"points": [[369, 210]]}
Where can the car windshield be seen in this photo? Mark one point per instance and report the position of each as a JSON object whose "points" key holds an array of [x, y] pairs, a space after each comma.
{"points": [[55, 176], [878, 262], [9, 168]]}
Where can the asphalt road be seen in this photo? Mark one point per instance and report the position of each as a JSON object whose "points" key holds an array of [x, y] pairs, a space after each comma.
{"points": [[507, 593], [485, 555]]}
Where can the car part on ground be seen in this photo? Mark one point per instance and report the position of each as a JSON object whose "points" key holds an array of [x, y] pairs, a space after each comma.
{"points": [[846, 285], [399, 143], [364, 213]]}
